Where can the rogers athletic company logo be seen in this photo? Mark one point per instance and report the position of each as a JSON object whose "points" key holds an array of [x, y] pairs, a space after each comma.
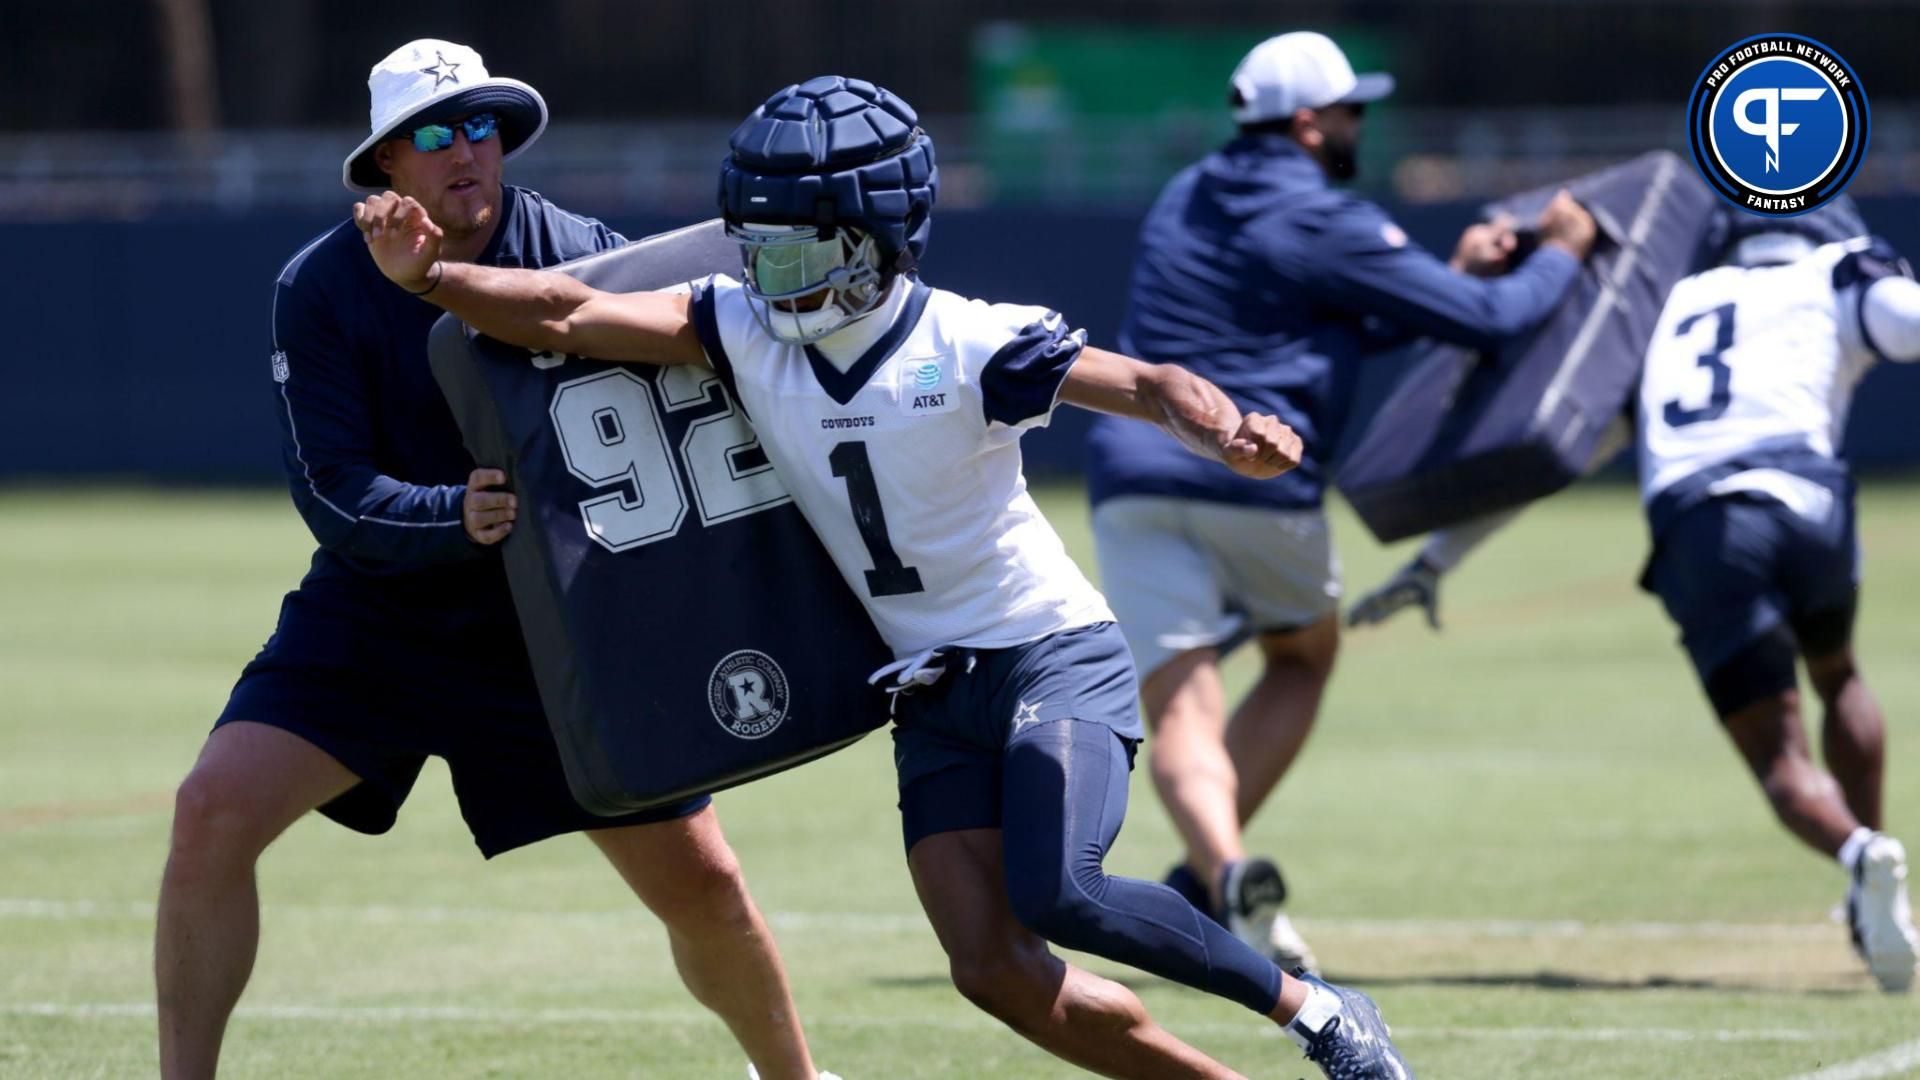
{"points": [[1778, 124], [748, 694]]}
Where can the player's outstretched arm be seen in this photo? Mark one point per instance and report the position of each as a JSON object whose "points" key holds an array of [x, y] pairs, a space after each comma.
{"points": [[537, 309], [1188, 407]]}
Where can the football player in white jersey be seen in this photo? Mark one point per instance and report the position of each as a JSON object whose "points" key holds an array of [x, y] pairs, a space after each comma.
{"points": [[892, 411], [1743, 401]]}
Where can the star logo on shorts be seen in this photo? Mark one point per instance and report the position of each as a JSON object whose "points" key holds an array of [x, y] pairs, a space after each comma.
{"points": [[1026, 714], [442, 71]]}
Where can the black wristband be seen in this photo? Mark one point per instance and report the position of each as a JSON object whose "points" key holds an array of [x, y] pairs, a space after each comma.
{"points": [[439, 271]]}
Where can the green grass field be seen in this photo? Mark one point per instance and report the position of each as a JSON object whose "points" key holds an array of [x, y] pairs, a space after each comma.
{"points": [[1524, 836]]}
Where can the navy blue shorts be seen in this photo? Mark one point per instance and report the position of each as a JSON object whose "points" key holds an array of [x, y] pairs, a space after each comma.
{"points": [[1738, 569], [950, 739], [381, 700]]}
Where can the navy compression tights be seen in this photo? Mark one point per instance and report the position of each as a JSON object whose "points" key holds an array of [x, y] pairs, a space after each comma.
{"points": [[1064, 795]]}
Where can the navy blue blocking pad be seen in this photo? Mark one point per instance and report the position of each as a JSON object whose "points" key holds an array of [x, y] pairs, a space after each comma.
{"points": [[1023, 379], [602, 572], [841, 386]]}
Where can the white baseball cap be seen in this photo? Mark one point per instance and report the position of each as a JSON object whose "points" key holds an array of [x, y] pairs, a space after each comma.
{"points": [[430, 81], [1301, 70]]}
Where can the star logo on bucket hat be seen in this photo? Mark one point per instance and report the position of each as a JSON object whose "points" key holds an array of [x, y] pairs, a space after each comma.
{"points": [[442, 71]]}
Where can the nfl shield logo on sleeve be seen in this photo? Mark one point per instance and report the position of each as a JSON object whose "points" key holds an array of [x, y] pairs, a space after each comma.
{"points": [[280, 369]]}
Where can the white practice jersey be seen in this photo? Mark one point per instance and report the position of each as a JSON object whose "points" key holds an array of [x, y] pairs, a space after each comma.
{"points": [[905, 457], [1750, 361]]}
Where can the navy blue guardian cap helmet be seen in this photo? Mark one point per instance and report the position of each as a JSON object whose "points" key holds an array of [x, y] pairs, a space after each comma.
{"points": [[1737, 238], [828, 188]]}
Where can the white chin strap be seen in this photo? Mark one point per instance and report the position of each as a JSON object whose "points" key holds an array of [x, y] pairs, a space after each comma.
{"points": [[802, 327]]}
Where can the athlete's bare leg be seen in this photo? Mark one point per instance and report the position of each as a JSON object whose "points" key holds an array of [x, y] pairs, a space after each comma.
{"points": [[1771, 738], [1188, 759], [686, 874], [1853, 736], [1212, 773], [1271, 725], [251, 782]]}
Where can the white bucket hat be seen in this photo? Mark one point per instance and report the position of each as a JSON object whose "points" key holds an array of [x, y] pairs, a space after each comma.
{"points": [[430, 81], [1301, 70]]}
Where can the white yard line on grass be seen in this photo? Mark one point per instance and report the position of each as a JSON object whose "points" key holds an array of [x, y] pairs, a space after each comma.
{"points": [[1892, 1061], [460, 1014], [899, 922], [1567, 928]]}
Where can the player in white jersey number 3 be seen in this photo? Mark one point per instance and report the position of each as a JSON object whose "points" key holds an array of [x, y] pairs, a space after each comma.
{"points": [[892, 412], [1743, 401]]}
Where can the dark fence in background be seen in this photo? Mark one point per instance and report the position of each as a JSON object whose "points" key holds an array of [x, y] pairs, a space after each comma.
{"points": [[103, 64], [141, 349]]}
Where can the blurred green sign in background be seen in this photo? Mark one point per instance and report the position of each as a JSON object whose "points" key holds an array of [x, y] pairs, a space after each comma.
{"points": [[1107, 112]]}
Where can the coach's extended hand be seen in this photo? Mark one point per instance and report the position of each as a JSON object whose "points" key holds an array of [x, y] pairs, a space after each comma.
{"points": [[404, 241], [1486, 248]]}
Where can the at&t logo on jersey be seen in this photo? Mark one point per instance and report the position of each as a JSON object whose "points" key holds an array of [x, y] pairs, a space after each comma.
{"points": [[748, 693], [925, 387], [1778, 124]]}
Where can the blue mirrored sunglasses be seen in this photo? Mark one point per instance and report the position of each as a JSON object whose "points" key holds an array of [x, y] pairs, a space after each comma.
{"points": [[479, 128]]}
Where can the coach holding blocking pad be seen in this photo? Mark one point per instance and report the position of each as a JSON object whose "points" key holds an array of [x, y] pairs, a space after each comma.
{"points": [[402, 641], [1257, 274]]}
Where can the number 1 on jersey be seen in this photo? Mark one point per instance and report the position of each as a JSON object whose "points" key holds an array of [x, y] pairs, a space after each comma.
{"points": [[889, 576]]}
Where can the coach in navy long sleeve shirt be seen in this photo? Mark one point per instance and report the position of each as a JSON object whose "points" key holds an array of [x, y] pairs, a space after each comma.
{"points": [[1255, 272], [372, 453]]}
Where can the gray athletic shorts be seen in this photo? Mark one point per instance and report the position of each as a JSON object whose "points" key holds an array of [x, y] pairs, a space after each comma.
{"points": [[1184, 574]]}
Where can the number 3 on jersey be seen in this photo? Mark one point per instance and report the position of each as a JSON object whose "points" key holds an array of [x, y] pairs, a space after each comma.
{"points": [[1678, 415], [612, 435]]}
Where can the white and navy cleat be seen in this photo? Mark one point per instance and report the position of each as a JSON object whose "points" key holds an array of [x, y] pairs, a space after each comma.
{"points": [[1351, 1042], [1254, 892], [1881, 916]]}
